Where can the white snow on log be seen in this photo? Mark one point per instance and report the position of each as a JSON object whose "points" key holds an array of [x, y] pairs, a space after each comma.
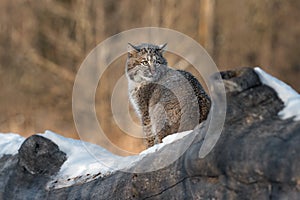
{"points": [[167, 140], [10, 143], [86, 164], [82, 164], [78, 158], [286, 93]]}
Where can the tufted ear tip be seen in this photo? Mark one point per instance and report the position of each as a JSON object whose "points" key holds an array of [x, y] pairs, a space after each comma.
{"points": [[131, 47], [162, 47]]}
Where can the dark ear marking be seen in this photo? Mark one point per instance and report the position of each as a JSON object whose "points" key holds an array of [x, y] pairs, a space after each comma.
{"points": [[161, 48], [132, 47]]}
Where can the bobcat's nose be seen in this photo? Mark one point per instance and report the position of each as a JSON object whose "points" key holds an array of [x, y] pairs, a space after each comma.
{"points": [[152, 68]]}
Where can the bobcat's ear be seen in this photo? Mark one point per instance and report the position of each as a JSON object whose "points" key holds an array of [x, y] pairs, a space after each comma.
{"points": [[162, 47], [131, 49]]}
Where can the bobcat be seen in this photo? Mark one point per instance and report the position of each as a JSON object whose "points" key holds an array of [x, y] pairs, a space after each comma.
{"points": [[165, 99]]}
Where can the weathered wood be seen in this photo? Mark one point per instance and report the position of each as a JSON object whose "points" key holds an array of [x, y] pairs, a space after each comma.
{"points": [[256, 157]]}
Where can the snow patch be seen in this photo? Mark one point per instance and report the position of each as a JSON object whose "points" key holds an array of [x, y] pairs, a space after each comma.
{"points": [[10, 143], [81, 165], [167, 140], [286, 93], [86, 162]]}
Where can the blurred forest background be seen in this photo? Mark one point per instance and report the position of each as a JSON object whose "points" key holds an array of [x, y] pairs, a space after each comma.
{"points": [[43, 43]]}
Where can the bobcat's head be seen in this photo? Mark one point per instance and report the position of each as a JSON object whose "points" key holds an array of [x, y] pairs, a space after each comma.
{"points": [[145, 62]]}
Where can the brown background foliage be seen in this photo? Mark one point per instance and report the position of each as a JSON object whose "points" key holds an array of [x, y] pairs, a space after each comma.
{"points": [[43, 43]]}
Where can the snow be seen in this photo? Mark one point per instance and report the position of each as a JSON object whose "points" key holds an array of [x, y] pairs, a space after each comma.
{"points": [[292, 109], [79, 160], [167, 140], [83, 166], [288, 95], [10, 143]]}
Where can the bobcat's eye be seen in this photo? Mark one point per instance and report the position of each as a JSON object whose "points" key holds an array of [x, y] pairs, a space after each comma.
{"points": [[158, 62], [145, 63]]}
